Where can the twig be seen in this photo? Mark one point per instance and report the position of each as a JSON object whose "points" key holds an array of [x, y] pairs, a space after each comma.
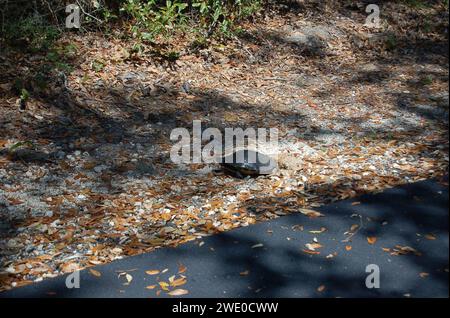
{"points": [[53, 14], [276, 79], [356, 231], [89, 15]]}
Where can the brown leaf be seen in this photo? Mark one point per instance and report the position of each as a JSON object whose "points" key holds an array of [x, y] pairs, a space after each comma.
{"points": [[152, 272], [310, 213], [178, 292], [313, 246], [371, 240], [181, 269], [311, 252], [348, 247], [95, 273], [70, 267], [403, 250], [178, 282]]}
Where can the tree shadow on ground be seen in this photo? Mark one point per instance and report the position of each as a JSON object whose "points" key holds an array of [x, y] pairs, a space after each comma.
{"points": [[278, 268], [150, 120]]}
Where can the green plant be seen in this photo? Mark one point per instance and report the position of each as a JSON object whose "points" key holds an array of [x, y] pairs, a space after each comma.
{"points": [[152, 18], [391, 42], [32, 34], [98, 65], [220, 15], [417, 3], [427, 80], [24, 95], [21, 144]]}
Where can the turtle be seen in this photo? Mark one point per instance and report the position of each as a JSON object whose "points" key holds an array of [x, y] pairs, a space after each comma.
{"points": [[242, 163]]}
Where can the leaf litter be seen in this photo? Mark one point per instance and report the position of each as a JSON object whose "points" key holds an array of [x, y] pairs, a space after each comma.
{"points": [[75, 200]]}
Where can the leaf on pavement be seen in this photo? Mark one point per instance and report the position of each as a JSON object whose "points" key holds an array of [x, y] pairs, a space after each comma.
{"points": [[371, 240], [181, 269], [310, 213], [178, 292], [95, 273], [313, 246], [178, 282], [311, 252], [164, 285]]}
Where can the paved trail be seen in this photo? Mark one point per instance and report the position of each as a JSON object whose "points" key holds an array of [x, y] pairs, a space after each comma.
{"points": [[266, 259]]}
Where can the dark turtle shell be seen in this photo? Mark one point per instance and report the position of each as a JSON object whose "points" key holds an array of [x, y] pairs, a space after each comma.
{"points": [[248, 163]]}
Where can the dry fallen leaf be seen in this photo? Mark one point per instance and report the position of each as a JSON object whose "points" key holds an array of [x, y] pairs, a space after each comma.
{"points": [[321, 288], [430, 237], [178, 292], [348, 247], [313, 246], [164, 285], [322, 229], [371, 240], [129, 278], [151, 287], [70, 267], [310, 213], [181, 269], [95, 273], [152, 272], [404, 250], [423, 275], [178, 282], [244, 273], [311, 252]]}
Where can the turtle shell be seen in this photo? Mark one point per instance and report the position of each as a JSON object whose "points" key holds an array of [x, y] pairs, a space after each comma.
{"points": [[248, 163]]}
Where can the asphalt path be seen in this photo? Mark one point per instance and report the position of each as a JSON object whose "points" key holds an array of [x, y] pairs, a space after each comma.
{"points": [[271, 259]]}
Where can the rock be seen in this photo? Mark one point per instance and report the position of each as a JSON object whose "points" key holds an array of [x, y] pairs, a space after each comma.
{"points": [[100, 168], [311, 38]]}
